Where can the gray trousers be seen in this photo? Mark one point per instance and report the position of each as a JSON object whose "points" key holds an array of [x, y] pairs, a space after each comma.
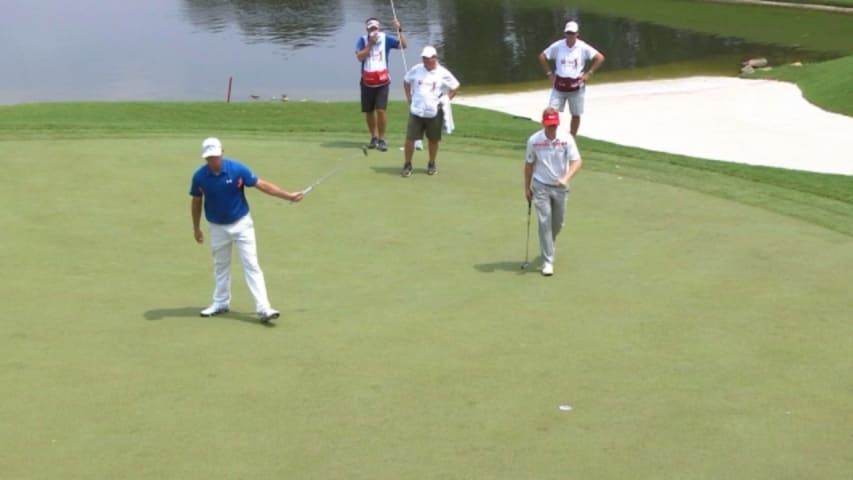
{"points": [[550, 202]]}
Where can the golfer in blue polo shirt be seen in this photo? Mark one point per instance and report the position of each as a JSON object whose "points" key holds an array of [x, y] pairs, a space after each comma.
{"points": [[221, 183]]}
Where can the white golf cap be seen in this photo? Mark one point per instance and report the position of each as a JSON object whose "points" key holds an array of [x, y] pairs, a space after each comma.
{"points": [[571, 27], [429, 52], [211, 147]]}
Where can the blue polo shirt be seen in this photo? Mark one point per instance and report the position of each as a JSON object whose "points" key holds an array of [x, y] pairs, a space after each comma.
{"points": [[224, 198]]}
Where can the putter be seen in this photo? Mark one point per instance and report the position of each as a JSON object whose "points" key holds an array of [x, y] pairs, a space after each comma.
{"points": [[527, 245], [333, 171]]}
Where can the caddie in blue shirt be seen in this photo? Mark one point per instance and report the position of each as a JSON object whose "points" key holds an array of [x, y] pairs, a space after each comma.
{"points": [[372, 50], [220, 185]]}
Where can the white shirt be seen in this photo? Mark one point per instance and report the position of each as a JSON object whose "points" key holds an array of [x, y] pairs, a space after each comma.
{"points": [[427, 87], [551, 158], [376, 61], [570, 61]]}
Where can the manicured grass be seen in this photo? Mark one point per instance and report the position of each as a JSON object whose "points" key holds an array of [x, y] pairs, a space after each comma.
{"points": [[489, 133], [695, 335], [826, 84]]}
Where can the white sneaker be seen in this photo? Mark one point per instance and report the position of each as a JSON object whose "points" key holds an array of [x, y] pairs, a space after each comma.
{"points": [[419, 145], [269, 315], [547, 269], [213, 310]]}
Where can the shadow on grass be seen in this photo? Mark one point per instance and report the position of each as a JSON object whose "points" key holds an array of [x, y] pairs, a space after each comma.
{"points": [[387, 170], [513, 266], [192, 312], [395, 171], [342, 144]]}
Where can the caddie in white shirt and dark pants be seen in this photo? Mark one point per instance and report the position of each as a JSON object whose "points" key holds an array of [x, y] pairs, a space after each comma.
{"points": [[425, 85], [570, 72], [552, 160]]}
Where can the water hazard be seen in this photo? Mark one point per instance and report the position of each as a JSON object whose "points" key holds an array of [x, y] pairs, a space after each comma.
{"points": [[188, 49]]}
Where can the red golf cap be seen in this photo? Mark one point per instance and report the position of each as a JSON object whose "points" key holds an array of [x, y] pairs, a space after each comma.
{"points": [[550, 119]]}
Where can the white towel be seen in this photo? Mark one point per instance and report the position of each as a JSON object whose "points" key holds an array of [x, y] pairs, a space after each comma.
{"points": [[449, 126]]}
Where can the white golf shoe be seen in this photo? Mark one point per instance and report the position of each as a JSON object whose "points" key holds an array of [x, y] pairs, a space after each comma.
{"points": [[547, 269], [213, 310], [269, 315]]}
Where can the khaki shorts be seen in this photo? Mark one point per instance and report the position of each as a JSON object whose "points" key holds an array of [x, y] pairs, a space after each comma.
{"points": [[419, 125], [559, 99]]}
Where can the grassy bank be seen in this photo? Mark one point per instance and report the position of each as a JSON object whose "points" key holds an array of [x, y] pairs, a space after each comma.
{"points": [[840, 3], [815, 193], [827, 85], [811, 30]]}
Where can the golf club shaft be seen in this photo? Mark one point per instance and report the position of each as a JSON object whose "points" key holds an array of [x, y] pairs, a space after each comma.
{"points": [[335, 170], [527, 244]]}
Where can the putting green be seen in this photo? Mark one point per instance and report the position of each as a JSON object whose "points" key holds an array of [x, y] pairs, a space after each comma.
{"points": [[695, 337]]}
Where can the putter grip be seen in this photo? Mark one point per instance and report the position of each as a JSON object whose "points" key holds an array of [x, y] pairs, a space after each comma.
{"points": [[304, 192]]}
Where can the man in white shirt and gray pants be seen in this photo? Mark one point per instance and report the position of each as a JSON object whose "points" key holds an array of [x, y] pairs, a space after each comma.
{"points": [[552, 160], [426, 85]]}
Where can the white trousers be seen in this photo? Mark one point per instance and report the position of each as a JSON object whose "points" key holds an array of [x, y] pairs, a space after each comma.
{"points": [[241, 233]]}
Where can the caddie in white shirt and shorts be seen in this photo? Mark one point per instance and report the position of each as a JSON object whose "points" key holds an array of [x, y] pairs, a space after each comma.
{"points": [[569, 75], [427, 86], [552, 159]]}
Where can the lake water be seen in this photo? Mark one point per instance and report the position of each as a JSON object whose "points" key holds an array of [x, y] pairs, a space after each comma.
{"points": [[62, 50]]}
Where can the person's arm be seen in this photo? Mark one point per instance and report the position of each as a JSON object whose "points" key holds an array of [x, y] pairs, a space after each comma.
{"points": [[274, 190], [452, 86], [546, 65], [402, 36], [573, 156], [574, 166], [195, 211], [407, 89], [597, 60], [529, 161], [362, 53], [575, 163]]}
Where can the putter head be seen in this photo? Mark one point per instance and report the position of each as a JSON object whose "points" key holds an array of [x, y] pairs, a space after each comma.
{"points": [[364, 150], [525, 265]]}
